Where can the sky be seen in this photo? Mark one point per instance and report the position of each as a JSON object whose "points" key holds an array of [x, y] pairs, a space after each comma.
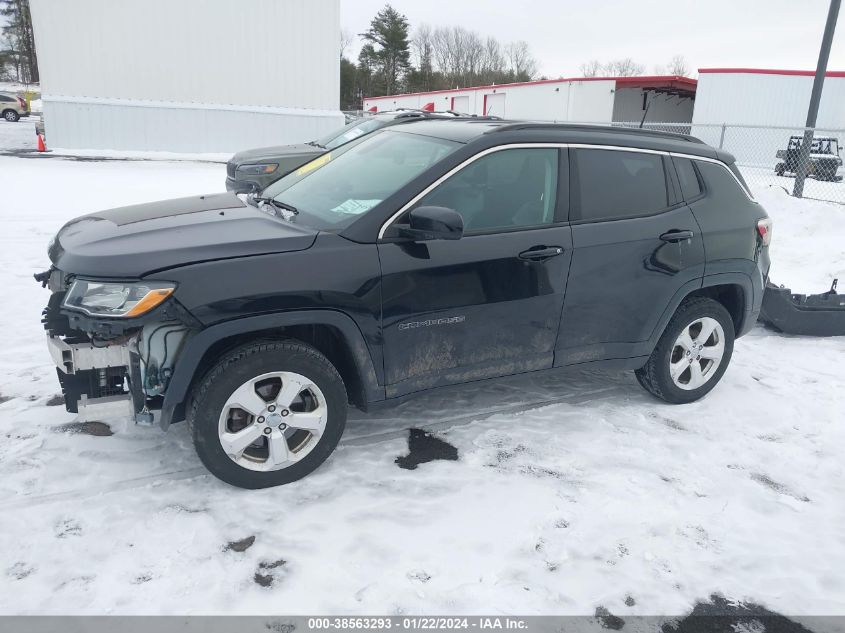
{"points": [[563, 34]]}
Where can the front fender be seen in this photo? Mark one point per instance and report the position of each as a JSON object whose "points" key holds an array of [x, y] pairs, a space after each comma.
{"points": [[196, 346]]}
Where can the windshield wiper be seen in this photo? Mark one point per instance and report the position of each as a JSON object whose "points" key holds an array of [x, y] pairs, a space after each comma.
{"points": [[316, 144], [278, 206]]}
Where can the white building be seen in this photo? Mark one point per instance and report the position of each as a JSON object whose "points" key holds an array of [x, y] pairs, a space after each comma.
{"points": [[187, 75], [585, 100], [752, 112], [757, 96]]}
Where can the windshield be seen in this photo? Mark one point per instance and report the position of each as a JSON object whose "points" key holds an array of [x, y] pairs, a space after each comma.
{"points": [[350, 132], [334, 189]]}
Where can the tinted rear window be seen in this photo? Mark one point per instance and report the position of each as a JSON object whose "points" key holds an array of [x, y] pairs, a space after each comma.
{"points": [[690, 186], [722, 186], [611, 184]]}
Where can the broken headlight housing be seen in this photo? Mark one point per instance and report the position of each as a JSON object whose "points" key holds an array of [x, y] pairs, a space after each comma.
{"points": [[115, 298]]}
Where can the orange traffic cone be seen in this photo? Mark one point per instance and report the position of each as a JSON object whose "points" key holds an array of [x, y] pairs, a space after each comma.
{"points": [[41, 146]]}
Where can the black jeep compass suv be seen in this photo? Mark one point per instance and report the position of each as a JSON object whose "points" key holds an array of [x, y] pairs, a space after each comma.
{"points": [[427, 254]]}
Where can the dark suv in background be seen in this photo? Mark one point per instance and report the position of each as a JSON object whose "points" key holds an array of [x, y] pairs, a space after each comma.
{"points": [[252, 170], [428, 254]]}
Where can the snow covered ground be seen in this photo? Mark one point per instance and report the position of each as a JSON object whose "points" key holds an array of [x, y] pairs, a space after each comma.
{"points": [[570, 491]]}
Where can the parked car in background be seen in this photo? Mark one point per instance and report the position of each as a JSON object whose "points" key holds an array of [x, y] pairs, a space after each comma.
{"points": [[12, 107], [824, 159], [253, 170], [421, 255]]}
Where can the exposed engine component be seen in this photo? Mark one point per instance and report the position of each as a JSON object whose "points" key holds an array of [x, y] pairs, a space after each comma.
{"points": [[158, 347]]}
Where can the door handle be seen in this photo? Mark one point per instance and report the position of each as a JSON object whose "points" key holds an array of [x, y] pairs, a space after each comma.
{"points": [[539, 253], [677, 236]]}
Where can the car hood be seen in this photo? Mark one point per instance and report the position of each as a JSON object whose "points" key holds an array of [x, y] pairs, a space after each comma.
{"points": [[277, 153], [137, 240]]}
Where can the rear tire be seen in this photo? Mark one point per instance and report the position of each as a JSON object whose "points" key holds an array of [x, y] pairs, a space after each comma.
{"points": [[11, 116], [292, 417], [692, 354]]}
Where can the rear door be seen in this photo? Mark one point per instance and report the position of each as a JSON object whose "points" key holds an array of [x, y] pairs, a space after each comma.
{"points": [[488, 304], [635, 245]]}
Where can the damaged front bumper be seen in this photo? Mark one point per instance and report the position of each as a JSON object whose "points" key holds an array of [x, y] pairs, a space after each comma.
{"points": [[97, 381], [112, 367]]}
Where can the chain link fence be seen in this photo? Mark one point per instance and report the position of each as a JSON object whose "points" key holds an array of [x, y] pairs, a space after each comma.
{"points": [[775, 156]]}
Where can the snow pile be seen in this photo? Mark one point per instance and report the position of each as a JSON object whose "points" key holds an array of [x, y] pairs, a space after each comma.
{"points": [[570, 491], [808, 241]]}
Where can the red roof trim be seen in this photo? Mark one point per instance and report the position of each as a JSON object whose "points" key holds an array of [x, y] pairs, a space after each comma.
{"points": [[769, 71], [643, 80]]}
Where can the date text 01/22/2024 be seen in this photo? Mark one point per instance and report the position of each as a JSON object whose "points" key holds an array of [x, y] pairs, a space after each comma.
{"points": [[417, 623]]}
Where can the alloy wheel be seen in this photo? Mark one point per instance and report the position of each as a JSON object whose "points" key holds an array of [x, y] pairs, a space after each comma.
{"points": [[697, 353], [272, 421]]}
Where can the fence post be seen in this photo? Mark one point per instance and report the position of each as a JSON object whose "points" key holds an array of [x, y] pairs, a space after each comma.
{"points": [[722, 137]]}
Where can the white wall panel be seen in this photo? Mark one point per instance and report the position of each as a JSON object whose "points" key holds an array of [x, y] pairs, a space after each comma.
{"points": [[254, 53], [766, 99], [177, 127]]}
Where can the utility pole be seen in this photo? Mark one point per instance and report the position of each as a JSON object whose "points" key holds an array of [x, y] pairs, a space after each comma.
{"points": [[815, 99]]}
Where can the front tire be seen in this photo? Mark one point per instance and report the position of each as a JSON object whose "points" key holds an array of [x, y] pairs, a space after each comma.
{"points": [[268, 414], [692, 354]]}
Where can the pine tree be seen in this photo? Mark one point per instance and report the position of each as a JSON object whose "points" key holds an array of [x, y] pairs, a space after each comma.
{"points": [[21, 40], [387, 50]]}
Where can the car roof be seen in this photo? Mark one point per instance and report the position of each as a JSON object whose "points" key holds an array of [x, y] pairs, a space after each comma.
{"points": [[466, 130]]}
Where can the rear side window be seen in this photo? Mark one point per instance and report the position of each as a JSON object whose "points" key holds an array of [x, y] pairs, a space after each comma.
{"points": [[690, 185], [722, 185], [5, 98], [612, 184]]}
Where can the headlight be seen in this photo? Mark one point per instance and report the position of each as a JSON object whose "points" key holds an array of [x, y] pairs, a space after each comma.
{"points": [[258, 168], [116, 299]]}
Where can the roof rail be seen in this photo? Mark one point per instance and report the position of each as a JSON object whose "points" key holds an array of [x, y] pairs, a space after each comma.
{"points": [[410, 113], [540, 125]]}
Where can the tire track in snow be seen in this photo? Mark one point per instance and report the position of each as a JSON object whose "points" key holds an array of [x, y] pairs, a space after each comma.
{"points": [[361, 440]]}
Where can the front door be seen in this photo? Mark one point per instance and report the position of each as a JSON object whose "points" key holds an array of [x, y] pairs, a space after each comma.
{"points": [[490, 303], [635, 245]]}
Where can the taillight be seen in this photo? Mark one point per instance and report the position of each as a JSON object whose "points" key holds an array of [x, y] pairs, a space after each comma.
{"points": [[764, 230], [22, 102]]}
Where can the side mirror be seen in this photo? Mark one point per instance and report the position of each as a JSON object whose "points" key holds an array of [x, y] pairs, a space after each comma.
{"points": [[433, 223]]}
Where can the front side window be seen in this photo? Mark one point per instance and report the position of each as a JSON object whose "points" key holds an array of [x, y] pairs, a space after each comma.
{"points": [[507, 189], [613, 184], [331, 191]]}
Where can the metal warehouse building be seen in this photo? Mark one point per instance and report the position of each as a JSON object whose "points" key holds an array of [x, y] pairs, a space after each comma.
{"points": [[752, 112], [585, 100], [189, 76], [757, 96]]}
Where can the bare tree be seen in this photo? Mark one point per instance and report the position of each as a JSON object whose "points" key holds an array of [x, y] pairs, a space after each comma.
{"points": [[522, 63], [626, 67], [346, 38], [678, 66], [592, 68]]}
